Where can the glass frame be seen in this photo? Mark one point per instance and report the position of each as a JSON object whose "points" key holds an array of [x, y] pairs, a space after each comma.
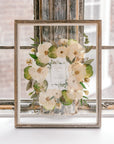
{"points": [[98, 77]]}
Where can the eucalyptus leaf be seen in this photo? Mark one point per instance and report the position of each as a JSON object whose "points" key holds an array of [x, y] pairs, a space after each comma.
{"points": [[87, 49], [89, 61], [81, 101], [45, 85], [68, 60], [85, 35], [26, 73], [36, 87], [29, 85], [51, 98], [31, 93], [86, 40], [34, 96]]}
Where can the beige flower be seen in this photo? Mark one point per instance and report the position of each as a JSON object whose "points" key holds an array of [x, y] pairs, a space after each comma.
{"points": [[29, 61], [73, 83], [74, 93], [46, 99], [38, 73], [62, 51], [33, 50], [78, 70], [43, 52], [62, 41], [56, 93], [75, 51]]}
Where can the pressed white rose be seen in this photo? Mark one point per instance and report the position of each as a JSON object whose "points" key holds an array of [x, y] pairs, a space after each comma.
{"points": [[75, 51], [43, 52], [46, 99], [62, 51], [38, 73], [56, 93], [62, 41], [73, 83], [74, 93], [78, 70]]}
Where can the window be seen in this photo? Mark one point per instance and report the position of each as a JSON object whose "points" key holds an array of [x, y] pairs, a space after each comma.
{"points": [[24, 9]]}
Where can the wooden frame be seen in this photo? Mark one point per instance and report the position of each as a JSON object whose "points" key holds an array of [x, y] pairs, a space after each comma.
{"points": [[98, 77]]}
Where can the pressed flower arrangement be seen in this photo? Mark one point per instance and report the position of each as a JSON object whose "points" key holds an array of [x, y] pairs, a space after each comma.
{"points": [[59, 77], [73, 91]]}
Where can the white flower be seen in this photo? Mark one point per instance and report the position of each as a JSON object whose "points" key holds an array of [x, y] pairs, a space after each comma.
{"points": [[43, 52], [74, 94], [62, 51], [56, 93], [62, 41], [78, 70], [75, 51], [38, 73], [73, 83], [46, 99]]}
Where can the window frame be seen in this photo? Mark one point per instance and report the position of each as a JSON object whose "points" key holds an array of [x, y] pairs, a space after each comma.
{"points": [[38, 8]]}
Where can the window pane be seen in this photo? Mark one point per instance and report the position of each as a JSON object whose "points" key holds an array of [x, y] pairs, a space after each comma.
{"points": [[6, 74], [9, 11], [102, 10], [108, 73]]}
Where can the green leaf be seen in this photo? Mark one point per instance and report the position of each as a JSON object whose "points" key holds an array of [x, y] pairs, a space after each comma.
{"points": [[87, 49], [89, 61], [51, 98], [33, 56], [33, 39], [26, 73], [34, 96], [85, 102], [86, 40], [31, 93], [85, 97], [85, 35], [81, 101], [36, 39], [73, 60], [83, 85], [34, 45], [64, 99], [29, 85], [45, 85], [52, 55], [68, 60], [36, 87]]}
